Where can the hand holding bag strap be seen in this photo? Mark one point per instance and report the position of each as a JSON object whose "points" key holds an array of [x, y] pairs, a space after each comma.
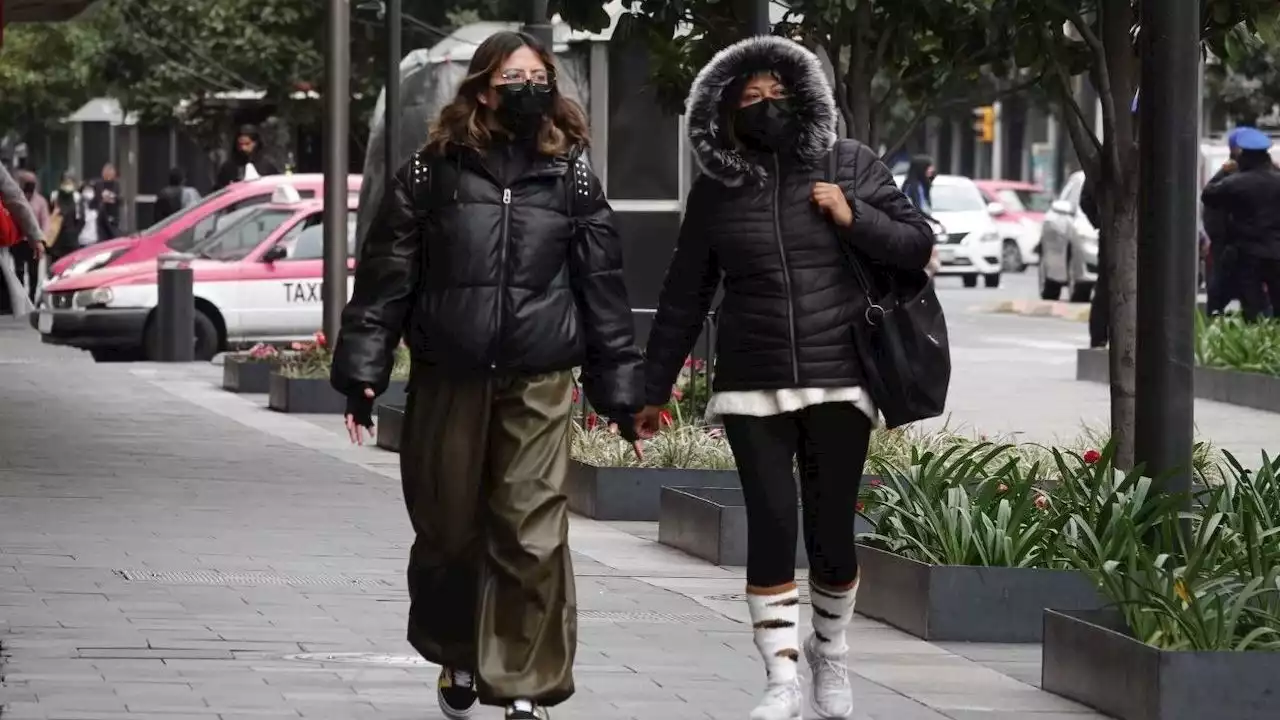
{"points": [[850, 255]]}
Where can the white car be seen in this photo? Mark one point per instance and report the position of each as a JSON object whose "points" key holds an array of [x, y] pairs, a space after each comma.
{"points": [[970, 247], [1068, 247]]}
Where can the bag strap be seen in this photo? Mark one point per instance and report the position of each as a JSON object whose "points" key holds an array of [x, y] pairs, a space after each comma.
{"points": [[833, 173]]}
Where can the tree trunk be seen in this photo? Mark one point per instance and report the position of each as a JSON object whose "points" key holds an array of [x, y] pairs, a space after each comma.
{"points": [[1120, 216], [859, 101]]}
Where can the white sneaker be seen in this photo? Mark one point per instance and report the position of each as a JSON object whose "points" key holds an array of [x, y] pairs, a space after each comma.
{"points": [[780, 702], [832, 693]]}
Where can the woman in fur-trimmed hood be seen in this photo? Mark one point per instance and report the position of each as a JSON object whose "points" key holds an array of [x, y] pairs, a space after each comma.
{"points": [[765, 220]]}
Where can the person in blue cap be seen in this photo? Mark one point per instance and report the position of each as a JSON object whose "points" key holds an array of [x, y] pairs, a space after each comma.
{"points": [[1242, 216]]}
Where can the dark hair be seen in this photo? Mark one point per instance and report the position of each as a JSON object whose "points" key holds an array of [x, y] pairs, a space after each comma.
{"points": [[1254, 159], [176, 176], [918, 183], [465, 121]]}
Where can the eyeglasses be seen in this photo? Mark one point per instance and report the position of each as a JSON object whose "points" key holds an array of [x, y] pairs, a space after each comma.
{"points": [[519, 75]]}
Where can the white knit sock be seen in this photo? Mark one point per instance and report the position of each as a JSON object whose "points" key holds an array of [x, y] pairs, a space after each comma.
{"points": [[775, 619], [832, 613]]}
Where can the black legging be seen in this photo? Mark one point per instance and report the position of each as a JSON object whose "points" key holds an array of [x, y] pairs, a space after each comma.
{"points": [[829, 443]]}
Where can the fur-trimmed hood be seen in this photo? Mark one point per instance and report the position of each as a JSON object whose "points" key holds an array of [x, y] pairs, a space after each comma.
{"points": [[805, 78]]}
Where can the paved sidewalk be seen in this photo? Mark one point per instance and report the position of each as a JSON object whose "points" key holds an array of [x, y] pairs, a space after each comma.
{"points": [[168, 550]]}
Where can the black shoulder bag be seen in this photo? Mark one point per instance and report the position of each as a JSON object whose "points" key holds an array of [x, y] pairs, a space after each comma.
{"points": [[900, 335]]}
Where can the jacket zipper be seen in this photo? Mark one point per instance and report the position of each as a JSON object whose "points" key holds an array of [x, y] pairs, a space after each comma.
{"points": [[786, 271], [503, 241]]}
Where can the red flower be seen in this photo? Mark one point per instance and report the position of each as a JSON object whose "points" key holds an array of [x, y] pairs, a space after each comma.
{"points": [[1092, 456], [1042, 502], [592, 421], [875, 482], [860, 506], [677, 393], [321, 340], [577, 395], [665, 418], [688, 362], [1002, 488]]}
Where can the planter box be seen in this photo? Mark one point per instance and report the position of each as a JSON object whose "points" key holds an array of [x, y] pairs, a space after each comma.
{"points": [[314, 396], [240, 375], [1246, 389], [622, 493], [711, 523], [1089, 657], [967, 603], [390, 425]]}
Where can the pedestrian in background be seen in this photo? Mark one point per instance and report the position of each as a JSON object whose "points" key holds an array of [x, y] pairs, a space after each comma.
{"points": [[175, 196], [919, 183], [67, 217], [23, 228], [103, 197], [1224, 256], [1100, 301], [495, 254], [248, 159], [27, 257], [788, 383], [1246, 204]]}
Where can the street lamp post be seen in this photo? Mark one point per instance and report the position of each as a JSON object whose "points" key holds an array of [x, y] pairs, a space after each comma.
{"points": [[538, 25], [1169, 107], [337, 103], [391, 109], [759, 17]]}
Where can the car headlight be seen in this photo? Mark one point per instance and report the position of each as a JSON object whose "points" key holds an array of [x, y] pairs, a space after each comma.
{"points": [[991, 236], [95, 296]]}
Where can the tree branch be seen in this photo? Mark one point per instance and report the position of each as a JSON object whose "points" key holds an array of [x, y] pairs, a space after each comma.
{"points": [[1101, 72]]}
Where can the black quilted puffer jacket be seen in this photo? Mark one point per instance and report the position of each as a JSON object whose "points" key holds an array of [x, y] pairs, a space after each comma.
{"points": [[789, 295], [498, 278]]}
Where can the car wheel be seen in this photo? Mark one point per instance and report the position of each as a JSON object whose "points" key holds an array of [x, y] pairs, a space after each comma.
{"points": [[991, 281], [1049, 289], [1011, 257], [970, 281], [206, 338]]}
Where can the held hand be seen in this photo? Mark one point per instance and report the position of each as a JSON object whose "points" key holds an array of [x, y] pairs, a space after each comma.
{"points": [[648, 421], [831, 200], [37, 247], [360, 415]]}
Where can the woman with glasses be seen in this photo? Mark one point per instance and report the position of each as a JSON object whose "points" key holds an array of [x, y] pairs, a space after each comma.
{"points": [[495, 256]]}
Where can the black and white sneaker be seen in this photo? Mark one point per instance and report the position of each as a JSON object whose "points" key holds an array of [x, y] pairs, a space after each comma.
{"points": [[526, 710], [456, 691]]}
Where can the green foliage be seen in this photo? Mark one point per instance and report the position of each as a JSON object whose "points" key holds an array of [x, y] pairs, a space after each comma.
{"points": [[46, 73], [1247, 86], [1231, 343]]}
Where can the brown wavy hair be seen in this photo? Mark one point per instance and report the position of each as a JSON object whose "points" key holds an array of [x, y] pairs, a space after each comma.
{"points": [[465, 121]]}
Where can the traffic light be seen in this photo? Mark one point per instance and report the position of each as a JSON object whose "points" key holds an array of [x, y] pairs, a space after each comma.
{"points": [[985, 125]]}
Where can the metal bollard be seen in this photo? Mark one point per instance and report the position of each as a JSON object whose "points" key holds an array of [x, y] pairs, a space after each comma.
{"points": [[175, 310]]}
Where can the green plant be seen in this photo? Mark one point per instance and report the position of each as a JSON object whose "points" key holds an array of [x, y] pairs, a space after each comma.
{"points": [[964, 506], [683, 446], [1231, 343]]}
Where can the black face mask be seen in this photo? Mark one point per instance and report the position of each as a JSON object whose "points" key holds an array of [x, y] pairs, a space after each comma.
{"points": [[522, 107], [768, 125]]}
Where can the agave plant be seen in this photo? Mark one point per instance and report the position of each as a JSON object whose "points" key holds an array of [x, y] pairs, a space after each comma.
{"points": [[952, 508], [683, 446]]}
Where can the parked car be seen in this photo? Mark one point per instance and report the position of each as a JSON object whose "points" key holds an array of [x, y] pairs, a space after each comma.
{"points": [[1019, 209], [969, 245], [1068, 247], [185, 229], [257, 279]]}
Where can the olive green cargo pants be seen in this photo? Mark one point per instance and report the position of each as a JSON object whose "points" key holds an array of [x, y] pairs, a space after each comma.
{"points": [[491, 586]]}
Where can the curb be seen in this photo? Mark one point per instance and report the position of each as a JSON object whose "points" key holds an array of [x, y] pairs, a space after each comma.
{"points": [[1074, 312]]}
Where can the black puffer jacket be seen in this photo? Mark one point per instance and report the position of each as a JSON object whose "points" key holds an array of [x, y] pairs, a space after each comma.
{"points": [[499, 280], [789, 295], [1243, 209]]}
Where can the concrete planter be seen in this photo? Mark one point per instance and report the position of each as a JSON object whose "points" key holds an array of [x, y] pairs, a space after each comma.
{"points": [[623, 493], [966, 603], [1090, 657], [390, 425], [242, 375], [1246, 389], [315, 396], [711, 524]]}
